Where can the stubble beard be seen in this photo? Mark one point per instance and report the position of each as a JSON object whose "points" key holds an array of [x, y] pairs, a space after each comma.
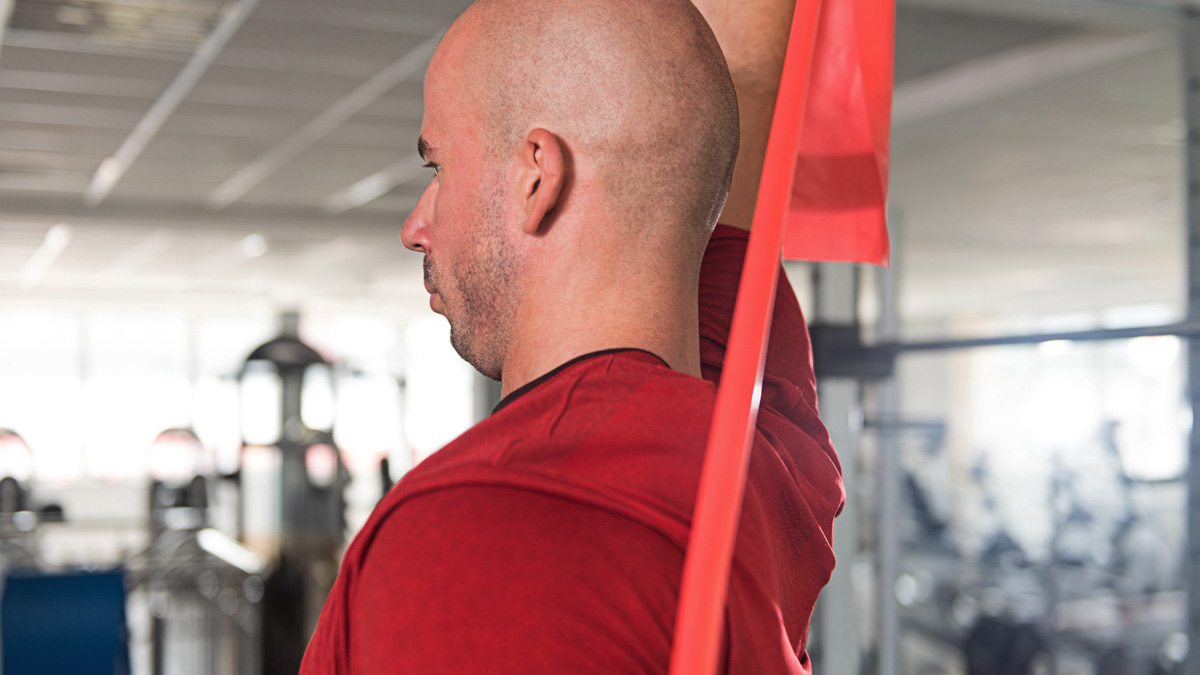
{"points": [[481, 307]]}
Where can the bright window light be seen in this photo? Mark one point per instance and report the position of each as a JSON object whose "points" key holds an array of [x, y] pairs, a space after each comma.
{"points": [[368, 420], [366, 343], [262, 404], [439, 396], [121, 344], [1054, 347], [1144, 395], [46, 411], [122, 417], [222, 344], [316, 398], [215, 420], [1154, 354], [41, 396]]}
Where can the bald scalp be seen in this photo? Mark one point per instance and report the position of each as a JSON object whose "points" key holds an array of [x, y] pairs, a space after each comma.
{"points": [[636, 89]]}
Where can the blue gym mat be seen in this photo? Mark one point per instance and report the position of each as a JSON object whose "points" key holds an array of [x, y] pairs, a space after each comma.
{"points": [[64, 623]]}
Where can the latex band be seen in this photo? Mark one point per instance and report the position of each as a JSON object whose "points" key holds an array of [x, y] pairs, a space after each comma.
{"points": [[705, 582]]}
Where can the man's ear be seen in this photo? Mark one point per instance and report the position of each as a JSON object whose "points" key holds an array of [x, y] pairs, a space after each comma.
{"points": [[542, 176]]}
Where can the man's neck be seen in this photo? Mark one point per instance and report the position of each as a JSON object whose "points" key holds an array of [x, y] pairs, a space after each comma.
{"points": [[659, 321]]}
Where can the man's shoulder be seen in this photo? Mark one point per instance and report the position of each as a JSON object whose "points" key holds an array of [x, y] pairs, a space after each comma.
{"points": [[474, 501], [622, 435], [635, 452], [645, 476], [515, 567]]}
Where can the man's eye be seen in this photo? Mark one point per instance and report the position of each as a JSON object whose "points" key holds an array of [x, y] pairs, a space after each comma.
{"points": [[435, 167]]}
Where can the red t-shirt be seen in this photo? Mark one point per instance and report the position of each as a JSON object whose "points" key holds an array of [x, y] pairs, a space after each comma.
{"points": [[550, 537]]}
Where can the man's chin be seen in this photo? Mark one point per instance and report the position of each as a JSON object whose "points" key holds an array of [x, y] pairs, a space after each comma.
{"points": [[435, 303]]}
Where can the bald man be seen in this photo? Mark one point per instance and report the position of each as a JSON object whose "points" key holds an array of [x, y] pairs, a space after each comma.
{"points": [[582, 151]]}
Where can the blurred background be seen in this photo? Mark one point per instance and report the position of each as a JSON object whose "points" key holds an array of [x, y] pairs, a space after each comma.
{"points": [[216, 355]]}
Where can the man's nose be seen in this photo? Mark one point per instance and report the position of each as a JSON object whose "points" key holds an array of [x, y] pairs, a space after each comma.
{"points": [[415, 233]]}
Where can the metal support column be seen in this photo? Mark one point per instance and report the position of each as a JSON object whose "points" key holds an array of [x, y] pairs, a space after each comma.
{"points": [[1190, 41], [840, 628], [887, 406]]}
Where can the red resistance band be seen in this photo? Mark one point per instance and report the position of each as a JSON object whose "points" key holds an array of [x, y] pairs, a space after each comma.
{"points": [[857, 88]]}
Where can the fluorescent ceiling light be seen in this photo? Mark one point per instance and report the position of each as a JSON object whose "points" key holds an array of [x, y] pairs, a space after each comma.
{"points": [[1018, 69], [6, 9], [374, 186], [237, 185], [254, 245], [112, 169], [39, 263]]}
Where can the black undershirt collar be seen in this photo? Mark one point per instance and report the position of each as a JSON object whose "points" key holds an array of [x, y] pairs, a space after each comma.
{"points": [[531, 385]]}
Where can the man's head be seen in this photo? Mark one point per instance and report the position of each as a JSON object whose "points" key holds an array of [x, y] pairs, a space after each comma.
{"points": [[567, 129]]}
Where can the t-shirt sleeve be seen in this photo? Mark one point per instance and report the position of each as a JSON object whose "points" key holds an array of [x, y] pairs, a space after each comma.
{"points": [[788, 379], [500, 580]]}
